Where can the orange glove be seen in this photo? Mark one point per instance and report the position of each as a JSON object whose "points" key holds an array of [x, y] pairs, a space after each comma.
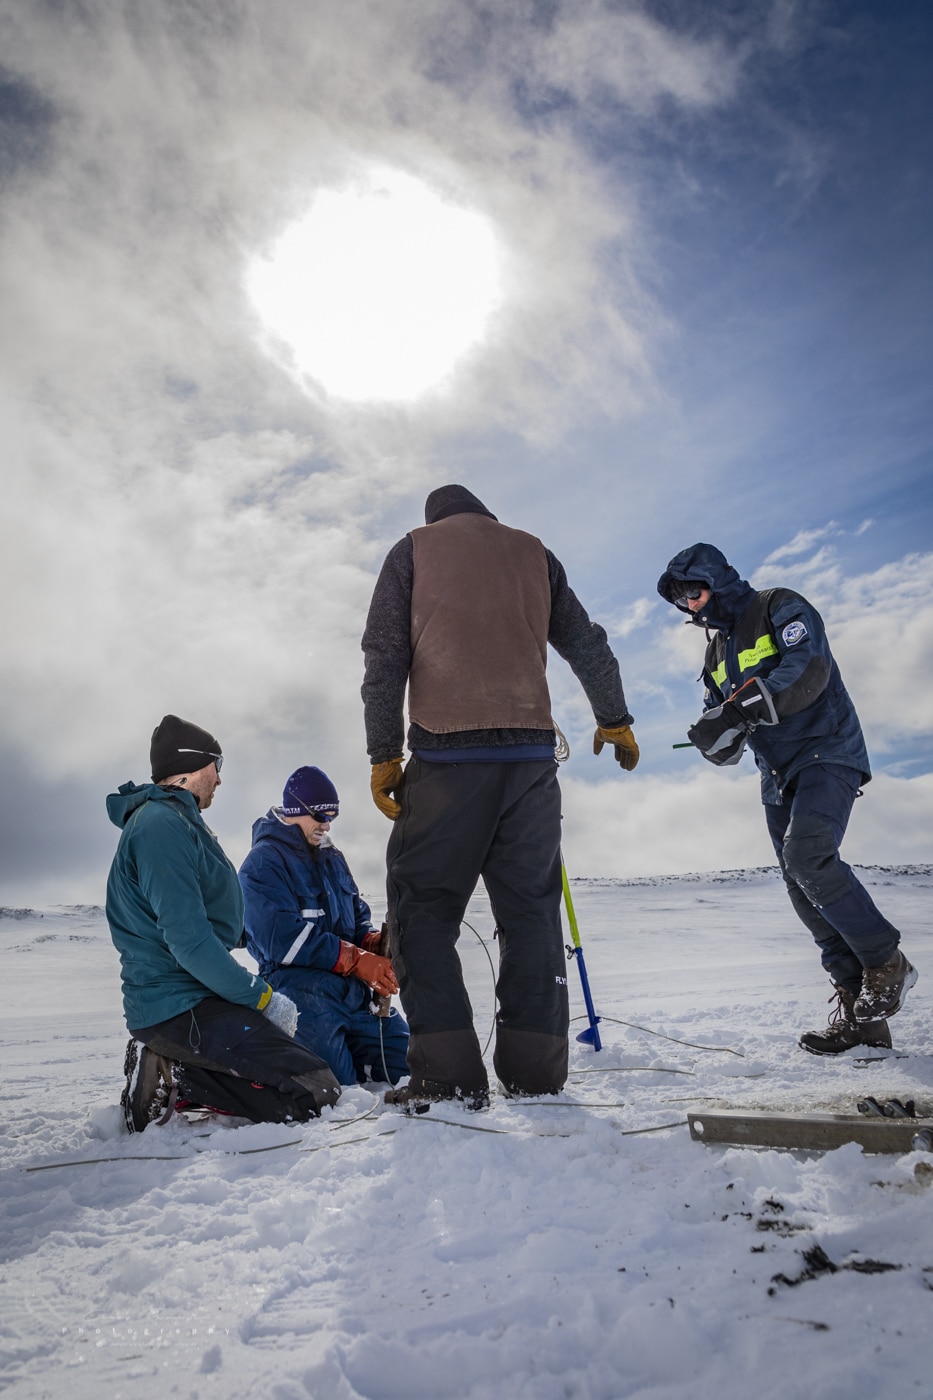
{"points": [[623, 740], [376, 941], [386, 779], [376, 972]]}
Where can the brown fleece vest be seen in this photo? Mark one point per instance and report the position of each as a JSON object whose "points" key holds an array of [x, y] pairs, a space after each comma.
{"points": [[480, 611]]}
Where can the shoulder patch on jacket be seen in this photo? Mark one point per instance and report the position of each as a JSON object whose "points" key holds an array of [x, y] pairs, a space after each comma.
{"points": [[793, 633]]}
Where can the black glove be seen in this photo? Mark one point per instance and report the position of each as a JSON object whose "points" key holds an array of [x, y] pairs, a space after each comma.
{"points": [[755, 703], [722, 733]]}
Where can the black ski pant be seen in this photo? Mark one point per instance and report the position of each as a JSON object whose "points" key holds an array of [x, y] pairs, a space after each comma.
{"points": [[233, 1058], [806, 830], [462, 822]]}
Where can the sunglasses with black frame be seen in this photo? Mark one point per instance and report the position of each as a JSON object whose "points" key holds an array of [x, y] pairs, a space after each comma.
{"points": [[317, 814], [690, 591]]}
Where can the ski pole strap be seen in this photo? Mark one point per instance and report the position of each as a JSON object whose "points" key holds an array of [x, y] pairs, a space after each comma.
{"points": [[571, 916]]}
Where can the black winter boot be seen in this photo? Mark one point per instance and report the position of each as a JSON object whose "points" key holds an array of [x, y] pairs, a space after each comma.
{"points": [[147, 1093], [529, 1063], [445, 1065], [418, 1094], [843, 1031], [884, 989]]}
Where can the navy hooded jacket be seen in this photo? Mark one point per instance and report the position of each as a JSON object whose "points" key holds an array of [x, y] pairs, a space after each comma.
{"points": [[778, 637], [300, 905]]}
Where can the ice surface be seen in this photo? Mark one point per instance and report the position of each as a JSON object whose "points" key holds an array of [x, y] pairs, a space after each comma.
{"points": [[575, 1248]]}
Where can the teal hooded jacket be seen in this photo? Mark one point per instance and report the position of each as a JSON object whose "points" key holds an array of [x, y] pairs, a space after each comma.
{"points": [[175, 909]]}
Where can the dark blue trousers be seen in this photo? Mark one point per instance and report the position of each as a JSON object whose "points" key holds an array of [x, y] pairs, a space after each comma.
{"points": [[335, 1022], [806, 830]]}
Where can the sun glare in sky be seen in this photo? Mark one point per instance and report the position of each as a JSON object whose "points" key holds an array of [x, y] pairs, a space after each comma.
{"points": [[379, 289]]}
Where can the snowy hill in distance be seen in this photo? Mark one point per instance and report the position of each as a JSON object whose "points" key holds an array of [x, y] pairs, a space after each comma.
{"points": [[582, 1247]]}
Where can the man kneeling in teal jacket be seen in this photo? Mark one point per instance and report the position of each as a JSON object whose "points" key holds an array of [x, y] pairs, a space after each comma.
{"points": [[204, 1030]]}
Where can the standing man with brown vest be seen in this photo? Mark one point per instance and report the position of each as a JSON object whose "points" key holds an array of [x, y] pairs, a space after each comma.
{"points": [[462, 614]]}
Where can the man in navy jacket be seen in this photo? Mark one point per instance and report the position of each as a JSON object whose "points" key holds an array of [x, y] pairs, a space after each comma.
{"points": [[312, 936], [772, 683]]}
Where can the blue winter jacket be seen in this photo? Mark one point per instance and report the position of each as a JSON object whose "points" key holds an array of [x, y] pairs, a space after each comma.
{"points": [[174, 907], [778, 637], [300, 905]]}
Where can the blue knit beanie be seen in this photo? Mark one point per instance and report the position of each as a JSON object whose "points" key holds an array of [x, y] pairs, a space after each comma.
{"points": [[309, 789]]}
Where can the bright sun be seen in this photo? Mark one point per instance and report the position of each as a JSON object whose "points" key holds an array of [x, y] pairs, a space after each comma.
{"points": [[379, 289]]}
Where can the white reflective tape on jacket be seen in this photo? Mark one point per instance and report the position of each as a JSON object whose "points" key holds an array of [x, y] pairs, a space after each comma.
{"points": [[302, 938]]}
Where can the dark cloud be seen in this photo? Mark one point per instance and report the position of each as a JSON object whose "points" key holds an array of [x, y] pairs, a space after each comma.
{"points": [[49, 824], [27, 120]]}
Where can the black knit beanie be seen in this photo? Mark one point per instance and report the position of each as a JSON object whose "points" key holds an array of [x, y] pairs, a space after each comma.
{"points": [[180, 747]]}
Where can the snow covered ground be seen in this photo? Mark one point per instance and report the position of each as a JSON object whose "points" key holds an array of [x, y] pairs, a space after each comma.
{"points": [[584, 1247]]}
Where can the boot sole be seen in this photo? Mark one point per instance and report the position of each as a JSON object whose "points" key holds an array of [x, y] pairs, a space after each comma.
{"points": [[870, 1044], [146, 1083], [811, 1050], [130, 1070], [421, 1103]]}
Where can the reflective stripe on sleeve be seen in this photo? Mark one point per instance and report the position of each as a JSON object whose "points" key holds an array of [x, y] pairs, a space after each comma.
{"points": [[296, 947]]}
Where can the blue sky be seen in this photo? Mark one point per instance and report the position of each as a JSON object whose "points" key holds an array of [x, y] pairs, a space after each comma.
{"points": [[714, 224]]}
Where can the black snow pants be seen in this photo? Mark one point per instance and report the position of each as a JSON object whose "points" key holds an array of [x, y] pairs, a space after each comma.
{"points": [[233, 1058], [462, 822]]}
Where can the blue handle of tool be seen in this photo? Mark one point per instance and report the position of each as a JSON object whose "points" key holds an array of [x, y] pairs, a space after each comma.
{"points": [[591, 1035]]}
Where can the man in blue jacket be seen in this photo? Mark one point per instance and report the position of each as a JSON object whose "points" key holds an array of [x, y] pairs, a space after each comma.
{"points": [[175, 912], [312, 936], [772, 683]]}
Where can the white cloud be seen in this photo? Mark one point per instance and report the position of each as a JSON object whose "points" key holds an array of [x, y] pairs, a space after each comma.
{"points": [[880, 628], [633, 617], [595, 51], [642, 824], [192, 140], [189, 523], [803, 541], [183, 529]]}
